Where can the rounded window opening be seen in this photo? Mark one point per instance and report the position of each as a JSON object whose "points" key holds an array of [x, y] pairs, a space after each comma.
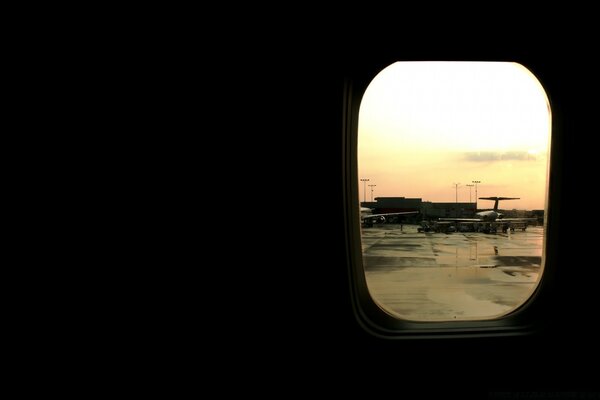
{"points": [[453, 161]]}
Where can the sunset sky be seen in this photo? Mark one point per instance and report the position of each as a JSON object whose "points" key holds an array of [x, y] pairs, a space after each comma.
{"points": [[424, 126]]}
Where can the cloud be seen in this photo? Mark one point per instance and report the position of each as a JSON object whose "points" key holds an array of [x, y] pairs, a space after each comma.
{"points": [[487, 156]]}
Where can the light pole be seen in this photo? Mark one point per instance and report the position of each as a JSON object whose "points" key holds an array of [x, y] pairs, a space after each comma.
{"points": [[371, 186], [470, 186], [476, 182], [365, 189], [456, 187], [456, 199]]}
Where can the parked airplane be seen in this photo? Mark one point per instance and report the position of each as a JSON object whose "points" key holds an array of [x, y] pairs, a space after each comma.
{"points": [[493, 218], [490, 215], [367, 217]]}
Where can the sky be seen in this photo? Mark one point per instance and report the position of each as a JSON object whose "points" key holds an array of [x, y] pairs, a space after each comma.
{"points": [[426, 126]]}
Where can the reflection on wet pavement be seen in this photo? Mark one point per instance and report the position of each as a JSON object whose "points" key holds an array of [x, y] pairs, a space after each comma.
{"points": [[457, 276]]}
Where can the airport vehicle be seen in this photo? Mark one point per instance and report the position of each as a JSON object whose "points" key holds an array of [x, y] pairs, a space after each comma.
{"points": [[367, 217]]}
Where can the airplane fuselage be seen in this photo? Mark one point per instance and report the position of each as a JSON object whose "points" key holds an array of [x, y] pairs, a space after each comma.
{"points": [[490, 215], [367, 213], [367, 217]]}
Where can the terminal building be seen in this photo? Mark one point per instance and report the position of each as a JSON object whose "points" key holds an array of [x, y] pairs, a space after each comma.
{"points": [[432, 210], [427, 209]]}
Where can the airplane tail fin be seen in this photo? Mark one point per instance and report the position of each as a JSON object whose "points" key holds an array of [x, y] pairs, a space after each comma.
{"points": [[497, 199]]}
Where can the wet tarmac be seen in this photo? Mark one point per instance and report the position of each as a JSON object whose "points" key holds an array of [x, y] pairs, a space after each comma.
{"points": [[450, 277]]}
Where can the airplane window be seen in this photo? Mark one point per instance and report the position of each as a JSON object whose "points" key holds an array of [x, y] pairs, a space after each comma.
{"points": [[453, 162]]}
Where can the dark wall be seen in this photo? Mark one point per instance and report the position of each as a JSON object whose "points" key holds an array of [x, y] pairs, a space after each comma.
{"points": [[301, 319]]}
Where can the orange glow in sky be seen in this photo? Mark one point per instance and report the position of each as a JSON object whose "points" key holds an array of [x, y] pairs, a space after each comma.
{"points": [[424, 126]]}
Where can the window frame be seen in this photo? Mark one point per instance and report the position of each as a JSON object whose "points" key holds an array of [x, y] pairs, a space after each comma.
{"points": [[531, 316]]}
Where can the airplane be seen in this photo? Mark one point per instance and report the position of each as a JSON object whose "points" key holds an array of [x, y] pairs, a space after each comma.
{"points": [[494, 216], [367, 216]]}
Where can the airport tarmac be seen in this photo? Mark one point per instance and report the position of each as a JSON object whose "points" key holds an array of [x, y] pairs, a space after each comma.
{"points": [[450, 277]]}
